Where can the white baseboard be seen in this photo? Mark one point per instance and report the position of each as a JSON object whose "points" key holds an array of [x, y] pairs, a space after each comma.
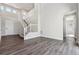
{"points": [[52, 37], [8, 34], [31, 35]]}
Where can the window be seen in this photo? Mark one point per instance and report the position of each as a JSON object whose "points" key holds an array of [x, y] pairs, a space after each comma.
{"points": [[1, 8], [14, 11], [8, 9]]}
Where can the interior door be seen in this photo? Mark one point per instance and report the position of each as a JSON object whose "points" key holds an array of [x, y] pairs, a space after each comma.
{"points": [[9, 26], [70, 25]]}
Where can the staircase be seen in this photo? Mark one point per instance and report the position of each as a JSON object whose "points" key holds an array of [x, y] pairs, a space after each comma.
{"points": [[27, 26]]}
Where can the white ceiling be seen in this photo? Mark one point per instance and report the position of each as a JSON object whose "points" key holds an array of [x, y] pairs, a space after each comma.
{"points": [[26, 6]]}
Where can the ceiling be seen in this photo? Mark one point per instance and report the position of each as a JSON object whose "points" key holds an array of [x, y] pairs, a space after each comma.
{"points": [[25, 6]]}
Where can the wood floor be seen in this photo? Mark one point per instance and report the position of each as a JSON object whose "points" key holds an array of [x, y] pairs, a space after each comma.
{"points": [[14, 45]]}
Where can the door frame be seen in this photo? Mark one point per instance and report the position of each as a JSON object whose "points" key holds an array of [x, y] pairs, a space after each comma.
{"points": [[64, 22]]}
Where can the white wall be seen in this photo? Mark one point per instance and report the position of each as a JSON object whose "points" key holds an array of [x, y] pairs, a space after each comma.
{"points": [[78, 23], [34, 20], [51, 16], [37, 16], [0, 28]]}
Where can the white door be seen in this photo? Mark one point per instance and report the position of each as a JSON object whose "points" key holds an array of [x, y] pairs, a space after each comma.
{"points": [[9, 26], [70, 25]]}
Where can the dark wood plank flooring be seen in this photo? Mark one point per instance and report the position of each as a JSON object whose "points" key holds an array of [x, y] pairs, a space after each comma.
{"points": [[14, 45]]}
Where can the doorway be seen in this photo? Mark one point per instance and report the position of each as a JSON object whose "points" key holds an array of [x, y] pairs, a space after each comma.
{"points": [[69, 25], [8, 28]]}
